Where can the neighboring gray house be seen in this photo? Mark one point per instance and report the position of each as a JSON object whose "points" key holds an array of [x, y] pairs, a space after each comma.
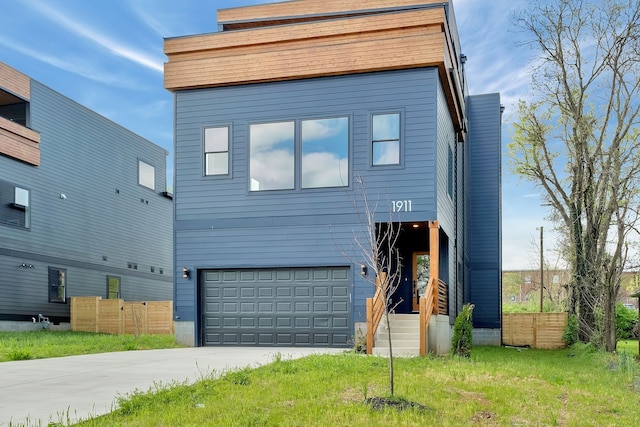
{"points": [[83, 206], [278, 115]]}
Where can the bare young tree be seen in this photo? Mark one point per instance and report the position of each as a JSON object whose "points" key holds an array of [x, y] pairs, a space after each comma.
{"points": [[378, 246], [578, 140]]}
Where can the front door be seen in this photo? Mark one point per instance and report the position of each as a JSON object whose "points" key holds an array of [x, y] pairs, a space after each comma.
{"points": [[421, 263]]}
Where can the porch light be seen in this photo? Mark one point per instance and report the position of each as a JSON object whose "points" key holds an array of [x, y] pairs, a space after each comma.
{"points": [[416, 225], [185, 273]]}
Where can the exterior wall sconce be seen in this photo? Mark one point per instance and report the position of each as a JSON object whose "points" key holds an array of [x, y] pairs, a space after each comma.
{"points": [[363, 269], [186, 273]]}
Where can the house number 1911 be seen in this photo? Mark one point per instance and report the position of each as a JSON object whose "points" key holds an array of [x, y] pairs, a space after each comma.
{"points": [[401, 205]]}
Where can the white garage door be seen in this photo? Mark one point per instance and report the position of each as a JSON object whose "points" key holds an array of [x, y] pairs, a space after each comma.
{"points": [[276, 307]]}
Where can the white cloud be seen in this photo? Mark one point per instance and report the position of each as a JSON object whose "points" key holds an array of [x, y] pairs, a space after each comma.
{"points": [[79, 67], [324, 170], [114, 47], [265, 136]]}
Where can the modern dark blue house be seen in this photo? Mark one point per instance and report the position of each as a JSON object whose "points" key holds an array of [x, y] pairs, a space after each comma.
{"points": [[284, 119], [83, 207]]}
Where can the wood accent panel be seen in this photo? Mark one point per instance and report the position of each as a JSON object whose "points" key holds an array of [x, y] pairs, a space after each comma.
{"points": [[362, 28], [404, 39], [15, 82], [364, 56], [299, 8], [19, 142]]}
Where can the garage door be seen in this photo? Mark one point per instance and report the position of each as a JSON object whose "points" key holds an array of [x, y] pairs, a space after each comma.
{"points": [[276, 307]]}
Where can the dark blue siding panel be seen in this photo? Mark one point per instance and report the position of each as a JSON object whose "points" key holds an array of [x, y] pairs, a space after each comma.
{"points": [[484, 214], [104, 223], [220, 224]]}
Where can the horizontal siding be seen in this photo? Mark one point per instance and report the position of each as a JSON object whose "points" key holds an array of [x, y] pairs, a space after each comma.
{"points": [[484, 209], [199, 197], [104, 212], [296, 8], [220, 224]]}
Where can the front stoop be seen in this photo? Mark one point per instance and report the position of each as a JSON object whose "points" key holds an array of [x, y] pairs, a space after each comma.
{"points": [[405, 336]]}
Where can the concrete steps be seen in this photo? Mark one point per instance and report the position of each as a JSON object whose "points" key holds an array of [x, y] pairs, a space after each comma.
{"points": [[405, 336]]}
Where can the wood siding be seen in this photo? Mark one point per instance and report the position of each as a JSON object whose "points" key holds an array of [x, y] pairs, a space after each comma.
{"points": [[484, 212], [15, 82], [394, 37], [106, 224], [19, 142], [268, 13]]}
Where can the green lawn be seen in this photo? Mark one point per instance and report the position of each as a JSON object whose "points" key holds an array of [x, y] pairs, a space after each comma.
{"points": [[45, 343], [496, 387]]}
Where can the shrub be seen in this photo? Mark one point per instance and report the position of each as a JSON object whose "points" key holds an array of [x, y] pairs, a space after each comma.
{"points": [[570, 333], [463, 332], [626, 321]]}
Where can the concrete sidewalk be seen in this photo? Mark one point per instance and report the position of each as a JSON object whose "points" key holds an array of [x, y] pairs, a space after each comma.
{"points": [[36, 392]]}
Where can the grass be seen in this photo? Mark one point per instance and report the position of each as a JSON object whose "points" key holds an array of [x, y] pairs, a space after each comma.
{"points": [[45, 343], [496, 387]]}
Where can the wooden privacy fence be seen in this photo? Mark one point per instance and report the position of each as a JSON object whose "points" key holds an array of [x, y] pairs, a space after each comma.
{"points": [[536, 330], [114, 316]]}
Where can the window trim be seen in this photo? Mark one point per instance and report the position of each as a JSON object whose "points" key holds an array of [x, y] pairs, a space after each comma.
{"points": [[297, 151], [140, 161], [119, 296], [11, 203], [64, 286], [229, 127], [400, 139]]}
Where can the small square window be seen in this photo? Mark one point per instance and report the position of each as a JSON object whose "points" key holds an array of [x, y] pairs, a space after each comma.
{"points": [[385, 139], [21, 197], [216, 151], [146, 175]]}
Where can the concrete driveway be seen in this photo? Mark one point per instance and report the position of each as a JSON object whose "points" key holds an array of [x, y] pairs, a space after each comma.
{"points": [[36, 392]]}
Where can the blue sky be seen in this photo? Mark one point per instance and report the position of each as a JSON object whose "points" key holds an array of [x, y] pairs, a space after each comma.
{"points": [[108, 56]]}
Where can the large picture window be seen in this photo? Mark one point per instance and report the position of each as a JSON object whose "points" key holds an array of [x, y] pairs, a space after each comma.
{"points": [[325, 153], [216, 151], [313, 151], [385, 139], [272, 151]]}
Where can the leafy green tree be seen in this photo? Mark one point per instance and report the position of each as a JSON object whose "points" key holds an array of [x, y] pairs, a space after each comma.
{"points": [[577, 139]]}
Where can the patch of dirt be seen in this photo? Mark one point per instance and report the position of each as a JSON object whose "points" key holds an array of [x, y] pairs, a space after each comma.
{"points": [[477, 397], [484, 417], [380, 403]]}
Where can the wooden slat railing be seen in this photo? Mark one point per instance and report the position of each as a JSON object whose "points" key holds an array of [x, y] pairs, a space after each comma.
{"points": [[443, 306], [428, 306], [375, 309]]}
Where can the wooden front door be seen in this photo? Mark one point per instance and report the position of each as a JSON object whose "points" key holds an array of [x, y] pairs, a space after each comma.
{"points": [[421, 273]]}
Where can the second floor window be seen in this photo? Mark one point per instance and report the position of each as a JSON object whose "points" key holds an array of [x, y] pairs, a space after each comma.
{"points": [[15, 204], [146, 175], [385, 139], [310, 153], [216, 151]]}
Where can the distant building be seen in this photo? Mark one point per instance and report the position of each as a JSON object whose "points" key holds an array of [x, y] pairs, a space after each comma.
{"points": [[83, 207], [278, 116]]}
